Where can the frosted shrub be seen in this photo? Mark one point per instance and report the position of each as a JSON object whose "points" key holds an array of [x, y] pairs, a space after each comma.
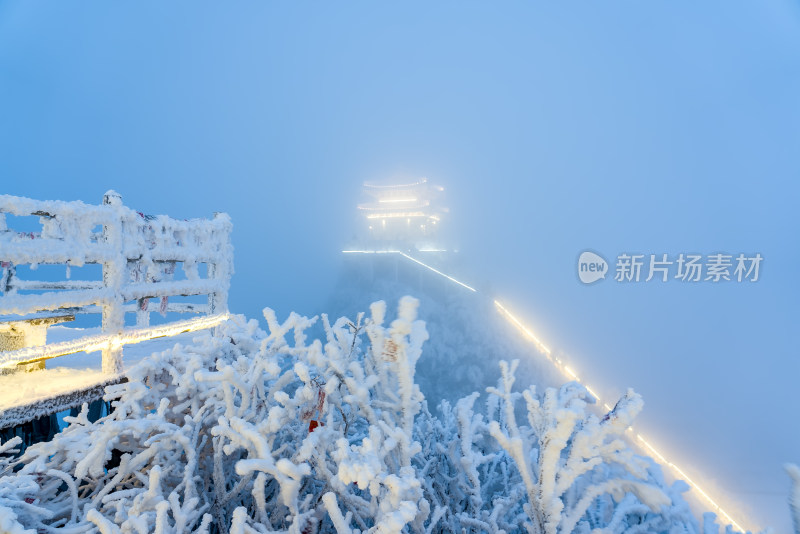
{"points": [[248, 432], [568, 471]]}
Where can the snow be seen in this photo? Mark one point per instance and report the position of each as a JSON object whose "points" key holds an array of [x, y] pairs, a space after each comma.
{"points": [[461, 324], [74, 371], [250, 432], [215, 434], [138, 254], [24, 388], [467, 335]]}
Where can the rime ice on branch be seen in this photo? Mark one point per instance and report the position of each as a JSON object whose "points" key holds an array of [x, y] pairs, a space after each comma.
{"points": [[216, 436]]}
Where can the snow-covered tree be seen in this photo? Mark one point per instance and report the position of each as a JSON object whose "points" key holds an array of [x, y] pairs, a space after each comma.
{"points": [[568, 459], [252, 432]]}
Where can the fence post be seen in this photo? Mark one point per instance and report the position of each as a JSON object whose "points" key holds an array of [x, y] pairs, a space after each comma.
{"points": [[218, 301], [142, 313], [113, 273]]}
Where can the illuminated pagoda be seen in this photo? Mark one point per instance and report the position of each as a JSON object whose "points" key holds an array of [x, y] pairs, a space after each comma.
{"points": [[406, 213]]}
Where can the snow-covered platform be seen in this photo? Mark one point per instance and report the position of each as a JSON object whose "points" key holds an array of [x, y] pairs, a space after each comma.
{"points": [[70, 380]]}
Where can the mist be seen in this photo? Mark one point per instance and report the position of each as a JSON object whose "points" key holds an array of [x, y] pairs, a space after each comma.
{"points": [[616, 127]]}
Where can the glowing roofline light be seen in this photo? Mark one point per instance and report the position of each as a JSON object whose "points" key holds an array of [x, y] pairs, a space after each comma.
{"points": [[391, 200], [377, 206], [397, 215], [371, 252], [394, 186]]}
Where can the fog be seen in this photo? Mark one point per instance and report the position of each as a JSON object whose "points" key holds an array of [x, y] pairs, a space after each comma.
{"points": [[648, 128]]}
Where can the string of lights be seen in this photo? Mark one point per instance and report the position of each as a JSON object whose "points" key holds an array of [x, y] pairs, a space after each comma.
{"points": [[643, 443]]}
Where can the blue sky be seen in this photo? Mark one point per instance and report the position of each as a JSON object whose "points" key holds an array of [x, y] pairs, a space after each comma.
{"points": [[650, 127]]}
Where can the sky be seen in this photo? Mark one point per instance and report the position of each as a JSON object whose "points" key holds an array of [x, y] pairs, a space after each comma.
{"points": [[640, 127]]}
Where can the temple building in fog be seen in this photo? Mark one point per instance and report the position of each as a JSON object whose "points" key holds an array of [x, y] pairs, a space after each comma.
{"points": [[407, 214]]}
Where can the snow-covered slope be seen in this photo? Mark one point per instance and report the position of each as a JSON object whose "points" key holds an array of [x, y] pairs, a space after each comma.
{"points": [[468, 336]]}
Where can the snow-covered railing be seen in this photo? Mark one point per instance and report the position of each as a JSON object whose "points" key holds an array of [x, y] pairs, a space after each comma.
{"points": [[138, 254]]}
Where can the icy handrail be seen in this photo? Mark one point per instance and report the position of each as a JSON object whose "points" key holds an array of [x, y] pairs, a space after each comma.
{"points": [[138, 254]]}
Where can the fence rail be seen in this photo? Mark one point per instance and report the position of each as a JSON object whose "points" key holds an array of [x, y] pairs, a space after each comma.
{"points": [[146, 260]]}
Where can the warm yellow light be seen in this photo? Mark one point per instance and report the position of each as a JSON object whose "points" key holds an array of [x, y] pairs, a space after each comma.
{"points": [[172, 329], [590, 390], [394, 186], [396, 215], [391, 200], [371, 252], [516, 322], [647, 446], [568, 371], [105, 341]]}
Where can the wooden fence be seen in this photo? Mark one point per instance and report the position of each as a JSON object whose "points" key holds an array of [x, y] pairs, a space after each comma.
{"points": [[146, 260]]}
